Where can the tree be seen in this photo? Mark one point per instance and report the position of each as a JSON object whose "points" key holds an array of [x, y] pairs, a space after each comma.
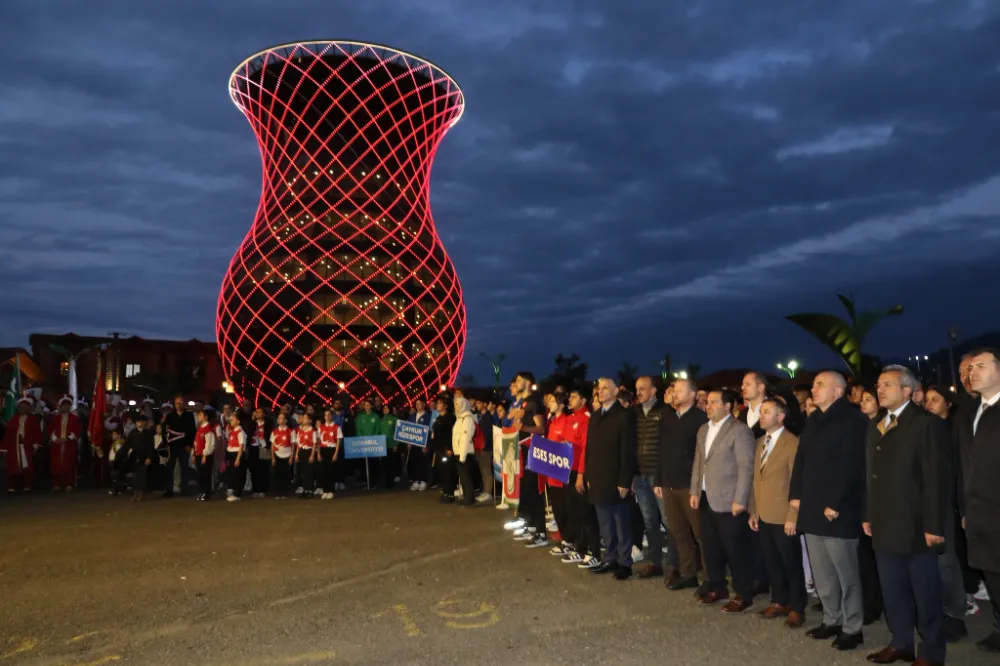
{"points": [[570, 372], [845, 339], [496, 363], [627, 375]]}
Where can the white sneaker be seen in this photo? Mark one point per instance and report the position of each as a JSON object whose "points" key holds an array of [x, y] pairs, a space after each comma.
{"points": [[299, 490], [317, 492], [326, 496], [414, 485], [395, 479], [423, 486], [636, 554], [971, 607], [232, 498], [572, 558], [515, 524], [589, 563], [981, 594], [482, 498]]}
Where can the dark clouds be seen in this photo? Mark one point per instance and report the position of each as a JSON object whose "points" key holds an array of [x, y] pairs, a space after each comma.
{"points": [[628, 179]]}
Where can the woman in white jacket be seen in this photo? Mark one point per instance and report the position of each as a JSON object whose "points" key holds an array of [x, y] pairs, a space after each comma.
{"points": [[464, 450]]}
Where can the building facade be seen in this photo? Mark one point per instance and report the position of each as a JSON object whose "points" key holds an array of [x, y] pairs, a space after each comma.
{"points": [[134, 367]]}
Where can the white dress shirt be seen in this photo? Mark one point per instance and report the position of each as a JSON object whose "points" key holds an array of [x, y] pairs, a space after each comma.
{"points": [[769, 441], [896, 413], [983, 404], [753, 414], [713, 431]]}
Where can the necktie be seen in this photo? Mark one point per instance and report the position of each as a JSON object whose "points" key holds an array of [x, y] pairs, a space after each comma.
{"points": [[767, 452], [883, 428]]}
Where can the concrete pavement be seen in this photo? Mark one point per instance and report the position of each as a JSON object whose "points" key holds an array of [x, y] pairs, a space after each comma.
{"points": [[387, 577]]}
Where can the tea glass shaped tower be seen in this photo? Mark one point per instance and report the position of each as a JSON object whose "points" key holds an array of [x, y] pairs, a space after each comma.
{"points": [[342, 286]]}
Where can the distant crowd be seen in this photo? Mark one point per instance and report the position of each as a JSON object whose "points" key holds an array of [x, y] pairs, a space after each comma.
{"points": [[879, 500]]}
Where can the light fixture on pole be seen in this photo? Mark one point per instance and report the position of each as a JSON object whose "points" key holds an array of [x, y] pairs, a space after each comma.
{"points": [[789, 367], [681, 374]]}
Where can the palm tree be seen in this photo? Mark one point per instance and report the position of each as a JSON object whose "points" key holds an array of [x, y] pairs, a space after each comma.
{"points": [[845, 339], [495, 362]]}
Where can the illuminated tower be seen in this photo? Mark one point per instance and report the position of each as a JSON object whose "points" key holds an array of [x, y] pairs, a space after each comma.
{"points": [[342, 284]]}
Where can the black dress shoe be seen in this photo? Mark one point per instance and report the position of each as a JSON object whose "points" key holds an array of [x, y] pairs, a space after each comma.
{"points": [[990, 644], [848, 641], [824, 631], [954, 629], [871, 618], [605, 567], [623, 573], [683, 583]]}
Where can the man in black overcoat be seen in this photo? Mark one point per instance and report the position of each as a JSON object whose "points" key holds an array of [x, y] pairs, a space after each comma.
{"points": [[906, 515], [611, 464]]}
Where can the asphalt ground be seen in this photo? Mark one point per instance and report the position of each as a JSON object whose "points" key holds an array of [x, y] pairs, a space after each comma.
{"points": [[390, 577]]}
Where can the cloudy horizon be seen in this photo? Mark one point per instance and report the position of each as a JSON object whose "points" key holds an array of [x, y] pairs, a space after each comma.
{"points": [[626, 181]]}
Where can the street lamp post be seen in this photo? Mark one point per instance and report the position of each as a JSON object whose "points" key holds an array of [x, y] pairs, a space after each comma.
{"points": [[681, 375], [790, 367]]}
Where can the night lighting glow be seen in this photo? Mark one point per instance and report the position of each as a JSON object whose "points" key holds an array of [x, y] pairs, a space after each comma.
{"points": [[342, 284]]}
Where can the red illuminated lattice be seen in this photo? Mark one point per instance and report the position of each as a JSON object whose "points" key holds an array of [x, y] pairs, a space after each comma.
{"points": [[342, 285]]}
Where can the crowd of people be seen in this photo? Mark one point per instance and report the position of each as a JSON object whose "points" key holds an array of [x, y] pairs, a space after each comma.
{"points": [[879, 500]]}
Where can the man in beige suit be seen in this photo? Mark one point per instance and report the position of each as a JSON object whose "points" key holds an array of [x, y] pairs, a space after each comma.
{"points": [[774, 518]]}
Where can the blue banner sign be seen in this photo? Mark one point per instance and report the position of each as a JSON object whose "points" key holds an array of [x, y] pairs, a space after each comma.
{"points": [[551, 459], [408, 432], [364, 447]]}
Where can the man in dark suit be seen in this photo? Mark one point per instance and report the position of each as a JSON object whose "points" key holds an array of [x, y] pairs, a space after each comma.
{"points": [[678, 443], [905, 514], [610, 461], [721, 480], [754, 391], [827, 488], [978, 435]]}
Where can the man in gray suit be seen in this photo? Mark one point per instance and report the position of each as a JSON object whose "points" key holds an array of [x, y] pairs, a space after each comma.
{"points": [[721, 480]]}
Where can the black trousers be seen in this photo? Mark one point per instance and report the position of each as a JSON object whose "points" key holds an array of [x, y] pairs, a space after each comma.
{"points": [[758, 568], [204, 472], [559, 496], [724, 537], [532, 503], [911, 587], [416, 468], [327, 468], [260, 470], [282, 475], [465, 475], [447, 472], [307, 475], [236, 477], [782, 555], [584, 517], [871, 589]]}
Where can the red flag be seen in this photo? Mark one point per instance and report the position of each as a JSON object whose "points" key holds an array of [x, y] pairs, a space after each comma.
{"points": [[95, 427]]}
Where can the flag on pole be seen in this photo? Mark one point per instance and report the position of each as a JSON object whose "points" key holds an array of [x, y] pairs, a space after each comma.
{"points": [[511, 467], [13, 392], [95, 426]]}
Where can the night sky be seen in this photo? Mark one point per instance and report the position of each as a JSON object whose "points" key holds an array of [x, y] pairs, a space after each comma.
{"points": [[629, 178]]}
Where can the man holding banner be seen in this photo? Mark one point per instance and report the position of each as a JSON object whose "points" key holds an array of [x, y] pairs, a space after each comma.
{"points": [[529, 419], [610, 468]]}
